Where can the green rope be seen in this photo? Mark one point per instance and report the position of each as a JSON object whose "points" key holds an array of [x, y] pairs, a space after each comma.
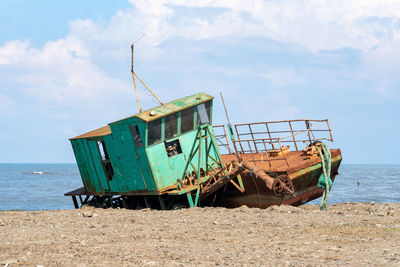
{"points": [[324, 180]]}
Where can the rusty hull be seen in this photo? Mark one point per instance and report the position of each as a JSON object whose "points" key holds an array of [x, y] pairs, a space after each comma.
{"points": [[304, 175]]}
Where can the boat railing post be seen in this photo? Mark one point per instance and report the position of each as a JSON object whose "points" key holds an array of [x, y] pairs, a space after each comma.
{"points": [[266, 153], [294, 139], [283, 154], [238, 136], [307, 122], [252, 136], [269, 134], [248, 143], [329, 129]]}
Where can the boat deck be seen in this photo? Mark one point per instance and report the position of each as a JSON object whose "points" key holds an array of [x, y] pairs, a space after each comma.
{"points": [[295, 160]]}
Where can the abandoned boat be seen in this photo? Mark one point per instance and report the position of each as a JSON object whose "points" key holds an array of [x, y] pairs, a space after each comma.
{"points": [[171, 156]]}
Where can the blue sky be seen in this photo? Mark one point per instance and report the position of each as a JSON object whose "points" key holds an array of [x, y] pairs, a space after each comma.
{"points": [[64, 67]]}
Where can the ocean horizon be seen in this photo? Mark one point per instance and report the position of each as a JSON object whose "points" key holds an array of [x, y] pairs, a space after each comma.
{"points": [[41, 186]]}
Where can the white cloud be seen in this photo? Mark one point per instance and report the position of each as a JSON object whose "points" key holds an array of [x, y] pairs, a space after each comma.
{"points": [[372, 27], [318, 25], [12, 52], [64, 71], [60, 72]]}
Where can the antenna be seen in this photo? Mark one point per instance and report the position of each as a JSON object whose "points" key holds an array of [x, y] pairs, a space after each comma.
{"points": [[135, 75]]}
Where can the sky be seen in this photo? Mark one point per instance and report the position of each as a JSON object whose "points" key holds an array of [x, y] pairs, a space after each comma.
{"points": [[65, 68]]}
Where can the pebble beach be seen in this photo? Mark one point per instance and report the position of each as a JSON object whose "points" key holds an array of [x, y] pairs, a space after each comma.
{"points": [[346, 234]]}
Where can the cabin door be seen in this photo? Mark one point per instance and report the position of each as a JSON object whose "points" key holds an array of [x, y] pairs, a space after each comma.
{"points": [[139, 159], [98, 156]]}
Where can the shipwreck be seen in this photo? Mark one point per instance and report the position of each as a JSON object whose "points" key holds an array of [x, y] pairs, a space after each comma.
{"points": [[172, 156]]}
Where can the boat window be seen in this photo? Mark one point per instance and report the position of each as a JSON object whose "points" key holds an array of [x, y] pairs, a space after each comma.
{"points": [[173, 147], [203, 113], [134, 129], [187, 117], [105, 160], [171, 126], [154, 132]]}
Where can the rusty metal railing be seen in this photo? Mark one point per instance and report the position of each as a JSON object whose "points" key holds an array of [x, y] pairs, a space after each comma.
{"points": [[300, 133], [274, 137]]}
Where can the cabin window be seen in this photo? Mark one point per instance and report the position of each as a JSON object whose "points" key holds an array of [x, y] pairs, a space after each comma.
{"points": [[134, 129], [105, 160], [203, 113], [171, 126], [154, 132], [173, 147], [187, 117]]}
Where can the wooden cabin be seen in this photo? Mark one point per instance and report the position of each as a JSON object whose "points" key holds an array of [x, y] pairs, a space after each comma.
{"points": [[144, 154]]}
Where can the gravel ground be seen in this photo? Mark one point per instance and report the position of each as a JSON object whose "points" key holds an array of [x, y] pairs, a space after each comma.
{"points": [[347, 234]]}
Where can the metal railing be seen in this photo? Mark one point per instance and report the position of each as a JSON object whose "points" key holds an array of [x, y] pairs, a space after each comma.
{"points": [[274, 138], [300, 133]]}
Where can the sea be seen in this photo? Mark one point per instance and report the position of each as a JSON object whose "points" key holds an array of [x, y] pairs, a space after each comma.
{"points": [[42, 186]]}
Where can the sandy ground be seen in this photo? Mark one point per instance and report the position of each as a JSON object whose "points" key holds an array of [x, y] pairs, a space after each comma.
{"points": [[347, 234]]}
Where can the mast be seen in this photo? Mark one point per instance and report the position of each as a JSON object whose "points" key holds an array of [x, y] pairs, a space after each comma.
{"points": [[134, 74]]}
